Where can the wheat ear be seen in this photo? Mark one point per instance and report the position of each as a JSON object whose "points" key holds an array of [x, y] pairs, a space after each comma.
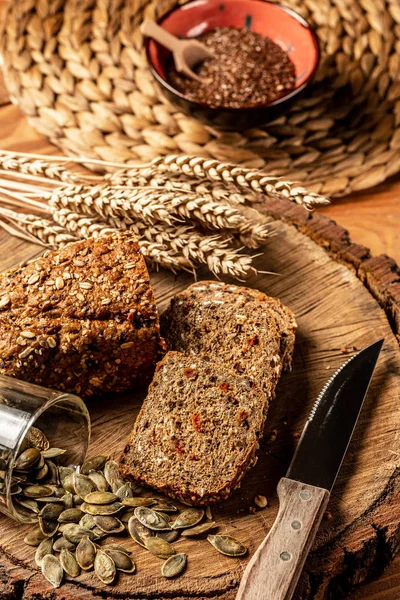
{"points": [[241, 177]]}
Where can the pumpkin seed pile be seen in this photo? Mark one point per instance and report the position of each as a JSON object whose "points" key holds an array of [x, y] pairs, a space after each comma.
{"points": [[76, 508]]}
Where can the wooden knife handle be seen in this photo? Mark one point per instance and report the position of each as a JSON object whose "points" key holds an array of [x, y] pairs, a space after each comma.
{"points": [[275, 568]]}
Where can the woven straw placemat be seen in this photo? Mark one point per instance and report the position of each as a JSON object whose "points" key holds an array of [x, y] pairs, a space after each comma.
{"points": [[77, 70]]}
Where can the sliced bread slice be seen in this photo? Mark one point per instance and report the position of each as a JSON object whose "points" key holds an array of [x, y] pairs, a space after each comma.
{"points": [[196, 434], [217, 291], [241, 333]]}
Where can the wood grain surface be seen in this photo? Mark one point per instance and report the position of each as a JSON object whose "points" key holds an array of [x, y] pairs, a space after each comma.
{"points": [[373, 219]]}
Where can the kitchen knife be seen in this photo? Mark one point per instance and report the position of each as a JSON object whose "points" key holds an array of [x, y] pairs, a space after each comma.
{"points": [[275, 568]]}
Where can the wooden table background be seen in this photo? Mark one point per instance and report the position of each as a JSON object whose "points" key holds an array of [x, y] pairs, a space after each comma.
{"points": [[372, 218]]}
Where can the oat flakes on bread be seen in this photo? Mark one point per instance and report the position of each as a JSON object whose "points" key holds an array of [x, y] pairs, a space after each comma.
{"points": [[82, 319], [197, 432], [242, 329]]}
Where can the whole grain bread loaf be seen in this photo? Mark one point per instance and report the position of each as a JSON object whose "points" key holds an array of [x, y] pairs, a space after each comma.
{"points": [[82, 319], [197, 432], [237, 327]]}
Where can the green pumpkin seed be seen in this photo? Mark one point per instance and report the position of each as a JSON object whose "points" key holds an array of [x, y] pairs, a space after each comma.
{"points": [[168, 536], [94, 464], [65, 473], [122, 561], [174, 566], [104, 567], [70, 515], [61, 543], [53, 452], [135, 502], [69, 563], [151, 519], [99, 480], [45, 547], [34, 537], [100, 498], [48, 527], [116, 547], [188, 518], [41, 473], [37, 439], [112, 475], [138, 531], [51, 511], [37, 491], [199, 529], [98, 509], [126, 515], [83, 485], [125, 491], [27, 459], [73, 533], [225, 544], [49, 500], [109, 524], [29, 504], [165, 507], [68, 500], [158, 547], [85, 553], [87, 522], [52, 570]]}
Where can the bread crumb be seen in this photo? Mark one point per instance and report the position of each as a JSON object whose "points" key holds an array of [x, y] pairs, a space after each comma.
{"points": [[260, 501]]}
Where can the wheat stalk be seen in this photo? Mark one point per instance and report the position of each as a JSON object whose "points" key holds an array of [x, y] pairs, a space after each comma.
{"points": [[240, 177], [37, 167], [39, 230]]}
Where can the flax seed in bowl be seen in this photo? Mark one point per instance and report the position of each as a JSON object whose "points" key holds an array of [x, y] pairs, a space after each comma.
{"points": [[265, 57]]}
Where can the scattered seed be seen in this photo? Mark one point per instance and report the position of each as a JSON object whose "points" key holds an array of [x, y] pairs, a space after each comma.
{"points": [[109, 524], [151, 519], [68, 500], [138, 531], [122, 561], [104, 567], [168, 536], [100, 498], [73, 533], [199, 529], [61, 543], [165, 507], [83, 485], [34, 537], [37, 491], [70, 515], [158, 547], [99, 480], [174, 566], [85, 553], [45, 547], [27, 459], [94, 464], [36, 438], [87, 522], [102, 509], [112, 475], [48, 527], [188, 518], [134, 502], [69, 563], [53, 452], [260, 501], [125, 491], [65, 472], [225, 544], [42, 472], [116, 547], [52, 570]]}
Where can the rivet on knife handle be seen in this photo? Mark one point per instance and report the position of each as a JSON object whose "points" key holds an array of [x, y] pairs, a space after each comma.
{"points": [[275, 568]]}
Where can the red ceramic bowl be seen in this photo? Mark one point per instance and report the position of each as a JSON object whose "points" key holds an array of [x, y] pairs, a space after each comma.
{"points": [[285, 27]]}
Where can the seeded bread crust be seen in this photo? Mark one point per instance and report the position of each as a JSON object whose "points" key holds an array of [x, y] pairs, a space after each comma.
{"points": [[240, 296], [82, 319], [197, 432]]}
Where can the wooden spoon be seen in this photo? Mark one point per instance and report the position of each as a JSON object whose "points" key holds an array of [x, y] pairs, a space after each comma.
{"points": [[187, 53]]}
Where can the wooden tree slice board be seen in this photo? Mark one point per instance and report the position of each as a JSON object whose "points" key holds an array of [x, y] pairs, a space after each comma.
{"points": [[343, 299]]}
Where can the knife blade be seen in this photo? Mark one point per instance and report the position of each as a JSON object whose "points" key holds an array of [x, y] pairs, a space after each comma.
{"points": [[275, 568]]}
